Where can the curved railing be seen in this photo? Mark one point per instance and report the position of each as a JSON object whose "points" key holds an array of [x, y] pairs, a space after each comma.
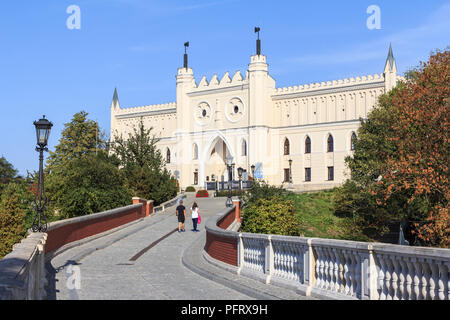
{"points": [[331, 269]]}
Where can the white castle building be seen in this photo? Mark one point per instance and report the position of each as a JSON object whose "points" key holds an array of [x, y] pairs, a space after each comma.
{"points": [[248, 118]]}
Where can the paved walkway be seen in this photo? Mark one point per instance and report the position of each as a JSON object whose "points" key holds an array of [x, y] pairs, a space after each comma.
{"points": [[161, 272]]}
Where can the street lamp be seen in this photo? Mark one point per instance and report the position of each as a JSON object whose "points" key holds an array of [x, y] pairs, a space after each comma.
{"points": [[253, 171], [240, 171], [229, 202], [43, 127]]}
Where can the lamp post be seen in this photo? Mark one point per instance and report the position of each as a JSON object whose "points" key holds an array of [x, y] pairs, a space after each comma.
{"points": [[229, 202], [253, 171], [240, 171], [43, 127]]}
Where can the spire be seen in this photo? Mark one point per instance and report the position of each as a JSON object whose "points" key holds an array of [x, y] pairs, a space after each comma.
{"points": [[115, 100], [390, 58]]}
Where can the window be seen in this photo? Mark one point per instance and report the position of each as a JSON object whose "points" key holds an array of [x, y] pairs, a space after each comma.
{"points": [[330, 143], [195, 178], [168, 155], [244, 148], [352, 141], [330, 173], [286, 175], [308, 145], [307, 174], [286, 147], [195, 152]]}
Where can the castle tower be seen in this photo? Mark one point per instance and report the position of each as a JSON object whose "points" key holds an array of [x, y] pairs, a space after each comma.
{"points": [[390, 70], [185, 83], [261, 86]]}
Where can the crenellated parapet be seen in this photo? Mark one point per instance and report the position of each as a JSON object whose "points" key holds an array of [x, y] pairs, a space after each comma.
{"points": [[375, 79], [149, 108], [225, 81]]}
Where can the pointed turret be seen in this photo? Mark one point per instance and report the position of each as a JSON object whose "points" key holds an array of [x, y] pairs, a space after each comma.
{"points": [[115, 100], [390, 61], [390, 70]]}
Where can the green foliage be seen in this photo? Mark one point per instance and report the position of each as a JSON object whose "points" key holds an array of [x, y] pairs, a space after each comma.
{"points": [[271, 216], [190, 189], [86, 185], [262, 190], [15, 210], [143, 165], [81, 177], [7, 172], [80, 137], [355, 198], [234, 193]]}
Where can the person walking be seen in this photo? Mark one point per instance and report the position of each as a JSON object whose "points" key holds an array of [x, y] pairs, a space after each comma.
{"points": [[181, 213], [195, 212]]}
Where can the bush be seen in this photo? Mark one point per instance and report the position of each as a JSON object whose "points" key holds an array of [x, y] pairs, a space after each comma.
{"points": [[234, 193], [190, 189], [262, 190], [202, 194], [87, 185], [271, 216], [15, 208]]}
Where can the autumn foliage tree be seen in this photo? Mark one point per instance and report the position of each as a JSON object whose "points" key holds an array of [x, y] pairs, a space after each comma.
{"points": [[419, 169], [400, 166]]}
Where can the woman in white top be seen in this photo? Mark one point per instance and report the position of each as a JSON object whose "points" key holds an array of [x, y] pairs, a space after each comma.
{"points": [[195, 211]]}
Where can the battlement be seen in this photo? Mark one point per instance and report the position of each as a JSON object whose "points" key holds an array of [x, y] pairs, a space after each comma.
{"points": [[226, 81], [154, 107], [331, 84]]}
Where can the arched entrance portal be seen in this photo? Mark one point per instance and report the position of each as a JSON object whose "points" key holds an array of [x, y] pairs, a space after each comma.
{"points": [[214, 158]]}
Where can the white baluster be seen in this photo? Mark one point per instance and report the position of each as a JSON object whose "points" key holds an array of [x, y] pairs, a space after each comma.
{"points": [[434, 290], [409, 280], [388, 277], [425, 280], [357, 274], [347, 267], [402, 278], [443, 281], [381, 275], [326, 269], [416, 279], [395, 277], [341, 263]]}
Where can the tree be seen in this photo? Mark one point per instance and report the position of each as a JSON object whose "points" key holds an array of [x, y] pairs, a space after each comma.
{"points": [[15, 210], [79, 138], [420, 169], [400, 166], [82, 178], [143, 165], [87, 185], [7, 172]]}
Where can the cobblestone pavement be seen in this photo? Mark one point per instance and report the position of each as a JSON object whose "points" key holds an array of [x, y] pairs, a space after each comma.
{"points": [[106, 272]]}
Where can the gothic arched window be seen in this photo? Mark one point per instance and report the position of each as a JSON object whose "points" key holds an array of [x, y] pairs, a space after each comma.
{"points": [[352, 141], [286, 147], [308, 145], [330, 147], [168, 155], [195, 152], [244, 148]]}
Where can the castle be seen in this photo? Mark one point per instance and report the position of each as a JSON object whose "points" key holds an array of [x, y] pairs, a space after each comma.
{"points": [[295, 136]]}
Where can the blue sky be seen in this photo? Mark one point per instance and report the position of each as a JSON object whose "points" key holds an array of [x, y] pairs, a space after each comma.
{"points": [[137, 45]]}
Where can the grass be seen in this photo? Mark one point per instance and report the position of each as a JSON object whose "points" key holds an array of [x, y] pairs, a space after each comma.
{"points": [[317, 219]]}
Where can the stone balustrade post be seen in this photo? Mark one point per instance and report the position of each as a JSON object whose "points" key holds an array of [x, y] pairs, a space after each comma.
{"points": [[269, 262]]}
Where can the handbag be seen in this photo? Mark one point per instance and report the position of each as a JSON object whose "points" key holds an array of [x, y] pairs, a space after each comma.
{"points": [[199, 219]]}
